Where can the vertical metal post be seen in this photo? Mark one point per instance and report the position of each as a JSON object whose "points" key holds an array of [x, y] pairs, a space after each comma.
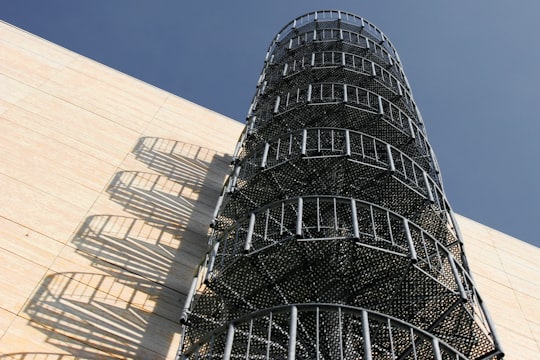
{"points": [[347, 143], [390, 61], [249, 237], [265, 155], [413, 343], [249, 339], [299, 215], [304, 142], [366, 335], [461, 289], [391, 337], [354, 214], [411, 128], [436, 349], [292, 333], [317, 332], [216, 209], [391, 165], [229, 342], [239, 144], [251, 125], [269, 336], [410, 242], [340, 334], [233, 180], [189, 298], [428, 187], [211, 262], [276, 106]]}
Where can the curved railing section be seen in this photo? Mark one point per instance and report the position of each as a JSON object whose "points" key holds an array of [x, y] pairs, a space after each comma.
{"points": [[354, 63], [333, 16], [287, 155], [464, 302], [313, 218], [413, 141], [331, 93], [320, 331], [325, 93], [349, 38]]}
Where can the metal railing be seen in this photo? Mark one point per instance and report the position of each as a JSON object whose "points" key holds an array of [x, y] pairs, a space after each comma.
{"points": [[319, 331], [332, 237]]}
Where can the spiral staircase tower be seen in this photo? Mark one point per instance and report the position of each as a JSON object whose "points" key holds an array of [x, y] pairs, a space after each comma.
{"points": [[333, 238]]}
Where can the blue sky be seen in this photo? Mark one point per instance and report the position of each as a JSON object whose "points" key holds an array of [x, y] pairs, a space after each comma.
{"points": [[474, 68]]}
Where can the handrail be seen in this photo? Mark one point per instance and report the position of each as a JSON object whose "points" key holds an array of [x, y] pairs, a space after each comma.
{"points": [[333, 15], [364, 318]]}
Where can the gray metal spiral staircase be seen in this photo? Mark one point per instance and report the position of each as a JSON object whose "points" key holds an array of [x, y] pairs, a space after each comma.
{"points": [[332, 238]]}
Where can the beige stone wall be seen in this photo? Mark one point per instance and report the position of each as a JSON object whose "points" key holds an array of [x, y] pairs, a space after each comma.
{"points": [[107, 187], [507, 273]]}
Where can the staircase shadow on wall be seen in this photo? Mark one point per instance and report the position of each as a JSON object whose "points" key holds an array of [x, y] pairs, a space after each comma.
{"points": [[139, 264]]}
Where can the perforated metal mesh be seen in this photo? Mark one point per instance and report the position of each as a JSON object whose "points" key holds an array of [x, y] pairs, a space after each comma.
{"points": [[333, 238]]}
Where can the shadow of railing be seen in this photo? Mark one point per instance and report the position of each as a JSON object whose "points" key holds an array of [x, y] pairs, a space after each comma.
{"points": [[138, 265], [45, 356]]}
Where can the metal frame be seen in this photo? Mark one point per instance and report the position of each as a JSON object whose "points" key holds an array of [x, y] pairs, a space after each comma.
{"points": [[304, 327], [333, 238]]}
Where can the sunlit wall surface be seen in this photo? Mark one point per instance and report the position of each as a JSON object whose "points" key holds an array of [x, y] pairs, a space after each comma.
{"points": [[333, 238]]}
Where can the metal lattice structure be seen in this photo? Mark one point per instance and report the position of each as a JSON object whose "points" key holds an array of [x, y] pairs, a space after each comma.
{"points": [[332, 238]]}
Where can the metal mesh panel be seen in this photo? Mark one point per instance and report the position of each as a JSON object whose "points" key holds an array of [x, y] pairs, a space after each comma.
{"points": [[333, 238]]}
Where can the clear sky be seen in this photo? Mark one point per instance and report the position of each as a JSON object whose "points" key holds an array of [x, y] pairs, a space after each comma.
{"points": [[474, 68]]}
